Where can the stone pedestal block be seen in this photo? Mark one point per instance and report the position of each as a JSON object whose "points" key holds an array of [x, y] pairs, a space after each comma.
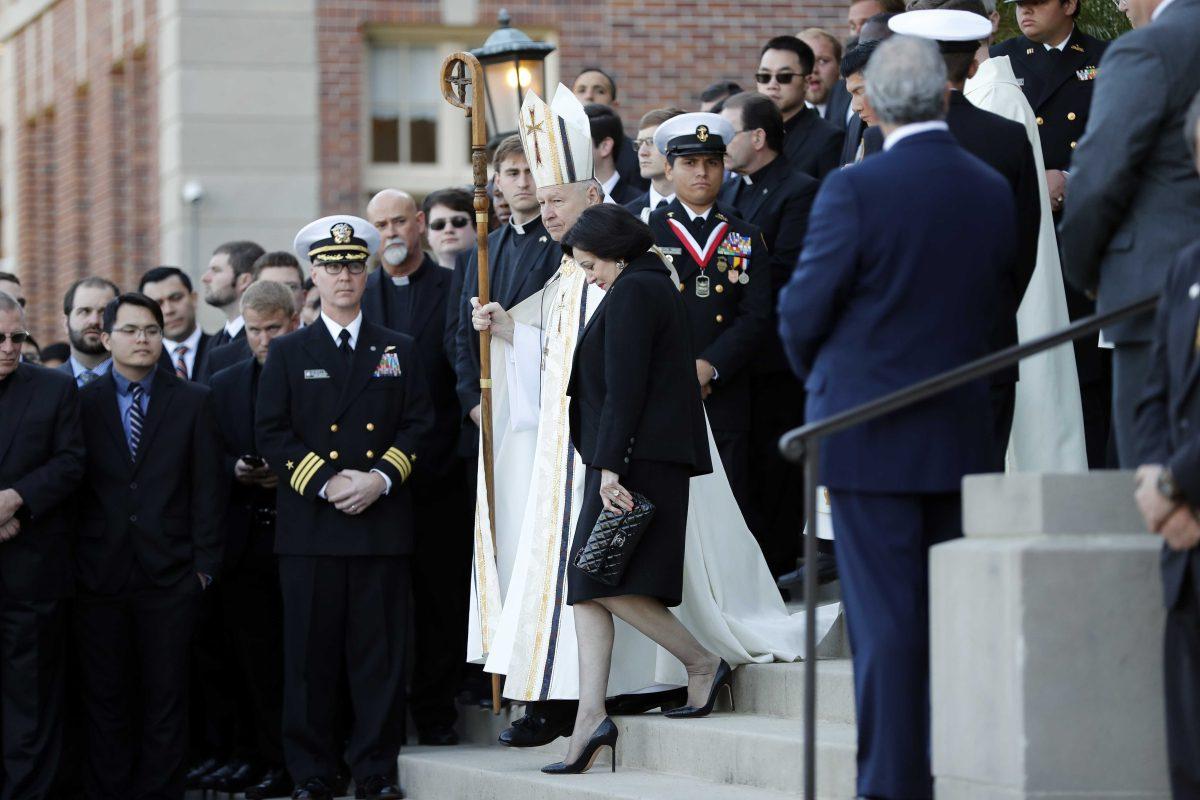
{"points": [[1046, 643]]}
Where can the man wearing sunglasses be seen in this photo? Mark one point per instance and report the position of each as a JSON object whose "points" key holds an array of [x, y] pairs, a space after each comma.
{"points": [[811, 144], [42, 463], [415, 304], [450, 223]]}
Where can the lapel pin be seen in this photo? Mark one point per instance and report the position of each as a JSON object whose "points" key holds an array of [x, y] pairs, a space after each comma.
{"points": [[542, 239], [1194, 291], [372, 348], [1029, 52]]}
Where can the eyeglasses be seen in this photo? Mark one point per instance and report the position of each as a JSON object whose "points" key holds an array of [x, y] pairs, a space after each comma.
{"points": [[638, 144], [16, 337], [354, 268], [134, 332], [782, 78], [440, 224]]}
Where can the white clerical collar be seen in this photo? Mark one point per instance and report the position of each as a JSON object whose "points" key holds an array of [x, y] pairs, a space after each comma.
{"points": [[1156, 13], [611, 183], [693, 215], [820, 107], [192, 342], [234, 326], [1062, 46], [519, 227], [912, 129], [335, 330], [655, 198]]}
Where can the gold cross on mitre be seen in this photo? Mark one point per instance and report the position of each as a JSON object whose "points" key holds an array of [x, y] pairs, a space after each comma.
{"points": [[534, 127]]}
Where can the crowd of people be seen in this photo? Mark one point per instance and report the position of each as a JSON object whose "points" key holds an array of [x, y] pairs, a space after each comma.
{"points": [[247, 561]]}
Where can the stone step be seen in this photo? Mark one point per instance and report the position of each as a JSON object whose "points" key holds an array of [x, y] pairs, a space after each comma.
{"points": [[777, 690], [748, 750], [495, 773]]}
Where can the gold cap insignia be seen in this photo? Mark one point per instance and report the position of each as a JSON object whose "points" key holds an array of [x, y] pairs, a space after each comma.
{"points": [[702, 133], [341, 233]]}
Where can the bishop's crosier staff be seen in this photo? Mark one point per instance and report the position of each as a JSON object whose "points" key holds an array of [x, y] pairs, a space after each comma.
{"points": [[459, 71]]}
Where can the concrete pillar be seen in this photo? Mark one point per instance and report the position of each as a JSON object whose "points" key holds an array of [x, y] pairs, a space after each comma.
{"points": [[1046, 643]]}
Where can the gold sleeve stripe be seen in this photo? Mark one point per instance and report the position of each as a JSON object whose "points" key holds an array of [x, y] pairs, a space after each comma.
{"points": [[399, 454], [400, 461], [308, 467]]}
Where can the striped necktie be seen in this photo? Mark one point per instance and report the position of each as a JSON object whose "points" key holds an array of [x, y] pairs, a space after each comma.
{"points": [[137, 418], [181, 369], [86, 377]]}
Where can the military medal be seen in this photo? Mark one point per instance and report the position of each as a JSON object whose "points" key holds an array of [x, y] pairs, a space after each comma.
{"points": [[744, 278], [722, 264], [702, 285], [732, 275], [702, 256]]}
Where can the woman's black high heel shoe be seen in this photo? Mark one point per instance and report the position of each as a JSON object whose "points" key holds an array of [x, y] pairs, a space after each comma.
{"points": [[605, 735], [722, 679]]}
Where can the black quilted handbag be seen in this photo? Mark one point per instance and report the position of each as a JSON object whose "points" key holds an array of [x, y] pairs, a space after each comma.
{"points": [[610, 545]]}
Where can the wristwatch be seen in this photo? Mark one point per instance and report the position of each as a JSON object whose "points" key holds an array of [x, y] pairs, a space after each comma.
{"points": [[1166, 485]]}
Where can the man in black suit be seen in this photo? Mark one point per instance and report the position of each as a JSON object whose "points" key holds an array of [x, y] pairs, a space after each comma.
{"points": [[342, 411], [1003, 146], [250, 598], [1056, 63], [826, 91], [279, 266], [1168, 494], [83, 314], [410, 297], [766, 192], [185, 344], [146, 546], [227, 277], [607, 135], [862, 134], [811, 144], [41, 463], [595, 85], [522, 256], [652, 164], [724, 277]]}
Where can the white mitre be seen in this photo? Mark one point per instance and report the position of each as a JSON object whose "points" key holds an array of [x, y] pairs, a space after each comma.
{"points": [[557, 139]]}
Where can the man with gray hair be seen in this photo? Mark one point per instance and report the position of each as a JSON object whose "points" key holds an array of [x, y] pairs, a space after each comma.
{"points": [[876, 305]]}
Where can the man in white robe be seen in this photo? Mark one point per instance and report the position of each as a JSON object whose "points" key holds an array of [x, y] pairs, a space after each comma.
{"points": [[520, 625]]}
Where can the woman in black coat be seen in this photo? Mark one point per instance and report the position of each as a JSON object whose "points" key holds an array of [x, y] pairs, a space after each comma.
{"points": [[638, 424]]}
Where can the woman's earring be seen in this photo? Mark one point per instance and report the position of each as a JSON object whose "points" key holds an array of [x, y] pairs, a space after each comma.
{"points": [[620, 265]]}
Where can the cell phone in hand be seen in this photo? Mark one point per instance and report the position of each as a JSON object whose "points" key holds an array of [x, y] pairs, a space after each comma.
{"points": [[254, 462]]}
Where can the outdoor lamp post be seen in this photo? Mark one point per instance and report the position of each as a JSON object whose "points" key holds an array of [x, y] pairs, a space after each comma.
{"points": [[513, 64]]}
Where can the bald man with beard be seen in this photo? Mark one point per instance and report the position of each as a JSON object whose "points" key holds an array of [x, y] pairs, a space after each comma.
{"points": [[408, 294]]}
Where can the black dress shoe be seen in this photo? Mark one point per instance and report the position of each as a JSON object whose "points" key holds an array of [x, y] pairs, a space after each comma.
{"points": [[215, 780], [791, 585], [274, 783], [441, 736], [377, 787], [722, 679], [641, 703], [313, 789], [605, 735], [192, 779], [534, 730], [243, 776]]}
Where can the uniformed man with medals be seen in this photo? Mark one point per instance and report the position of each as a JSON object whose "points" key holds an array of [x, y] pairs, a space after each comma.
{"points": [[342, 408], [724, 276]]}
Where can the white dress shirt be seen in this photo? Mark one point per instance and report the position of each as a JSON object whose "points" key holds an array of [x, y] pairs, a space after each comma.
{"points": [[234, 326], [655, 198], [912, 129], [611, 183], [189, 358]]}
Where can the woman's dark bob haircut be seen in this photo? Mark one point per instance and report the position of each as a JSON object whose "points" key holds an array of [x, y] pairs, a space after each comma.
{"points": [[610, 232]]}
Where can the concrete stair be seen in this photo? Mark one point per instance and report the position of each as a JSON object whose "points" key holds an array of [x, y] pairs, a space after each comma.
{"points": [[753, 754]]}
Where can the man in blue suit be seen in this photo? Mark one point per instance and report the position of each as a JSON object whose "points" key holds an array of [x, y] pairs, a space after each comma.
{"points": [[897, 282]]}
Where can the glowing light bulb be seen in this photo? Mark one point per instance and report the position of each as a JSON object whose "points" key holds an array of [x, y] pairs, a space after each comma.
{"points": [[512, 77]]}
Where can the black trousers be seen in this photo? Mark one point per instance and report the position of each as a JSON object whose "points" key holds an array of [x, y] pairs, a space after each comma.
{"points": [[252, 605], [32, 661], [777, 406], [343, 615], [441, 574], [134, 648], [1130, 367], [217, 728], [1181, 683], [1004, 404]]}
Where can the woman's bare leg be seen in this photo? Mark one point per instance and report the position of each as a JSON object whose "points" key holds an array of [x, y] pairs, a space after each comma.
{"points": [[594, 637]]}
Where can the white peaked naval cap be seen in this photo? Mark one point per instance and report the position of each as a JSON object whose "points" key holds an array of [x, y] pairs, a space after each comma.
{"points": [[963, 30], [337, 239], [557, 139]]}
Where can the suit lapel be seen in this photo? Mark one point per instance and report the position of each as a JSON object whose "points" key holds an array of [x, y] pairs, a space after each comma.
{"points": [[319, 344], [427, 290], [1186, 361], [373, 305], [162, 390], [538, 268], [111, 413], [362, 366], [759, 192], [16, 400], [1058, 71], [245, 419]]}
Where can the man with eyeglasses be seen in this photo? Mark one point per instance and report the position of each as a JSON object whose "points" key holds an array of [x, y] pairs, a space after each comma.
{"points": [[342, 417], [42, 443], [652, 164], [416, 305], [148, 543], [449, 223], [811, 144], [83, 317]]}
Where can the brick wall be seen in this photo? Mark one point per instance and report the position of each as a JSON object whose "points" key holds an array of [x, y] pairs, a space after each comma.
{"points": [[86, 153], [663, 52]]}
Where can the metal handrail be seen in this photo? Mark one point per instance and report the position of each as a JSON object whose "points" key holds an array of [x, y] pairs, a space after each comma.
{"points": [[803, 444]]}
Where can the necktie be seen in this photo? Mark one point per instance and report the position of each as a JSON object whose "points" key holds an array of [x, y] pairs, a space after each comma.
{"points": [[344, 348], [86, 377], [137, 418], [181, 369], [661, 203]]}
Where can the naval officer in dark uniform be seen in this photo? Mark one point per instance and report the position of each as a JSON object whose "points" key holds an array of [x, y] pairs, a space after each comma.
{"points": [[342, 407], [1056, 63], [724, 277]]}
